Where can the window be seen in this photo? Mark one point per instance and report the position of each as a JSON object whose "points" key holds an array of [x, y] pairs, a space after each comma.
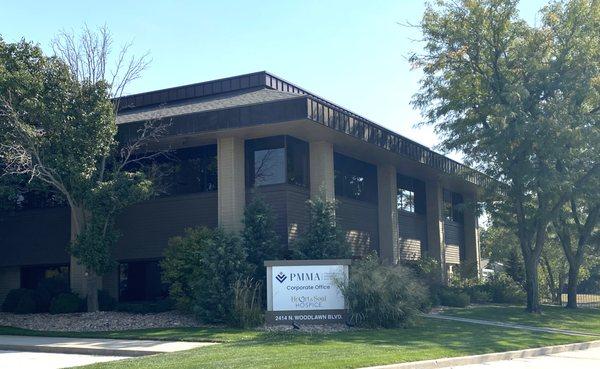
{"points": [[453, 206], [411, 195], [183, 171], [140, 281], [269, 166], [277, 160], [31, 276], [406, 200], [355, 179]]}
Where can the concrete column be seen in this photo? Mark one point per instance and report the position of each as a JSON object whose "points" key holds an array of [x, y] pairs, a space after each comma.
{"points": [[435, 224], [321, 170], [472, 262], [232, 183], [388, 213], [110, 282], [10, 278]]}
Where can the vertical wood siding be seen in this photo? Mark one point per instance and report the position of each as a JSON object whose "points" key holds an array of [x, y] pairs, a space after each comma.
{"points": [[32, 237], [146, 227], [413, 235], [454, 239], [358, 220]]}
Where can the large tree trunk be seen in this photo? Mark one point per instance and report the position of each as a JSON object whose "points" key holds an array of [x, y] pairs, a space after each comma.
{"points": [[85, 283], [572, 285], [532, 284]]}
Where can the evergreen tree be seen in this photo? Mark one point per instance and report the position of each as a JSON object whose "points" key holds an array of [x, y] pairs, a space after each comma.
{"points": [[259, 237], [323, 240]]}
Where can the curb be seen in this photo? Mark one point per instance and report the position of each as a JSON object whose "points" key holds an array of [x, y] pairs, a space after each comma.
{"points": [[78, 350], [484, 358]]}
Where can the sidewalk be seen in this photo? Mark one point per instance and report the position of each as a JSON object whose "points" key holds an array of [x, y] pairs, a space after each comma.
{"points": [[511, 325], [92, 346]]}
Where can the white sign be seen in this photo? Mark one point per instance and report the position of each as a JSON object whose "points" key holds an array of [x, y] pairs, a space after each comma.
{"points": [[307, 287]]}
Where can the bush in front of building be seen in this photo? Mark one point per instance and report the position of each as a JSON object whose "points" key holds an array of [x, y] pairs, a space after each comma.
{"points": [[504, 290], [479, 294], [66, 303], [452, 296], [383, 296], [322, 240], [20, 301], [47, 289], [201, 268]]}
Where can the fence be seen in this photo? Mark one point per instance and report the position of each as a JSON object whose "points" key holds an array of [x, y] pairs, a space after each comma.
{"points": [[584, 300]]}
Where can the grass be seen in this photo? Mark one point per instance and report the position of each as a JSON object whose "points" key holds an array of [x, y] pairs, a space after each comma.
{"points": [[431, 339], [582, 320]]}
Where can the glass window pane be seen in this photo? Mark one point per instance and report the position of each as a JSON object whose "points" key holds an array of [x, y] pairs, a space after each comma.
{"points": [[406, 200], [269, 166], [297, 161]]}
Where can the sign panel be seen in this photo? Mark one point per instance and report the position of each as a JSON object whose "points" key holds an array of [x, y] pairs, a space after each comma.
{"points": [[306, 291], [309, 287]]}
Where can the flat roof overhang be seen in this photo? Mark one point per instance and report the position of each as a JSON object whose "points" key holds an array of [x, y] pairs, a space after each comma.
{"points": [[308, 118]]}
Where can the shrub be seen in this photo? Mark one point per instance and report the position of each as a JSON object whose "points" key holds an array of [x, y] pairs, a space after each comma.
{"points": [[382, 296], [202, 267], [20, 301], [503, 289], [49, 288], [323, 240], [105, 301], [453, 297], [479, 294], [428, 271], [247, 310], [146, 307], [182, 257], [66, 303]]}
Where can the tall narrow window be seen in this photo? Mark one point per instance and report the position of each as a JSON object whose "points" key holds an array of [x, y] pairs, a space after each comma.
{"points": [[406, 200], [453, 206], [355, 179], [411, 195]]}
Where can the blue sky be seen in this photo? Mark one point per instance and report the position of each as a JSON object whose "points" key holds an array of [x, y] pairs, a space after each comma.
{"points": [[353, 53]]}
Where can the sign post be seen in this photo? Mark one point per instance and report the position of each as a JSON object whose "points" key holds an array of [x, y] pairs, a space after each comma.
{"points": [[306, 291]]}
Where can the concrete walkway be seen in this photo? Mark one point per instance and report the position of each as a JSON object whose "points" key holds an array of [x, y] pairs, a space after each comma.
{"points": [[93, 346], [43, 360], [511, 325]]}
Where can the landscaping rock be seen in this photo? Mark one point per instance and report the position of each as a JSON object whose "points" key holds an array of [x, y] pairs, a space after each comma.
{"points": [[98, 321]]}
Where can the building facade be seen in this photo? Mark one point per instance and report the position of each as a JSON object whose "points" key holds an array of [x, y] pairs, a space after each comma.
{"points": [[256, 134]]}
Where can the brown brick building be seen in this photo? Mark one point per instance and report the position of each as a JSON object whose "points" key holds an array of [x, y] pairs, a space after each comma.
{"points": [[257, 133]]}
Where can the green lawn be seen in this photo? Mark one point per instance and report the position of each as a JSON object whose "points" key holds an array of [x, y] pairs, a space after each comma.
{"points": [[430, 339], [582, 320]]}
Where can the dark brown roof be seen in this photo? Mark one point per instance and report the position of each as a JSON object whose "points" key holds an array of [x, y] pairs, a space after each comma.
{"points": [[262, 98], [204, 104]]}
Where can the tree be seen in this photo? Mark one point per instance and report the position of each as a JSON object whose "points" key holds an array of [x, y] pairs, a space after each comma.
{"points": [[521, 102], [575, 225], [259, 238], [58, 127], [323, 240]]}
